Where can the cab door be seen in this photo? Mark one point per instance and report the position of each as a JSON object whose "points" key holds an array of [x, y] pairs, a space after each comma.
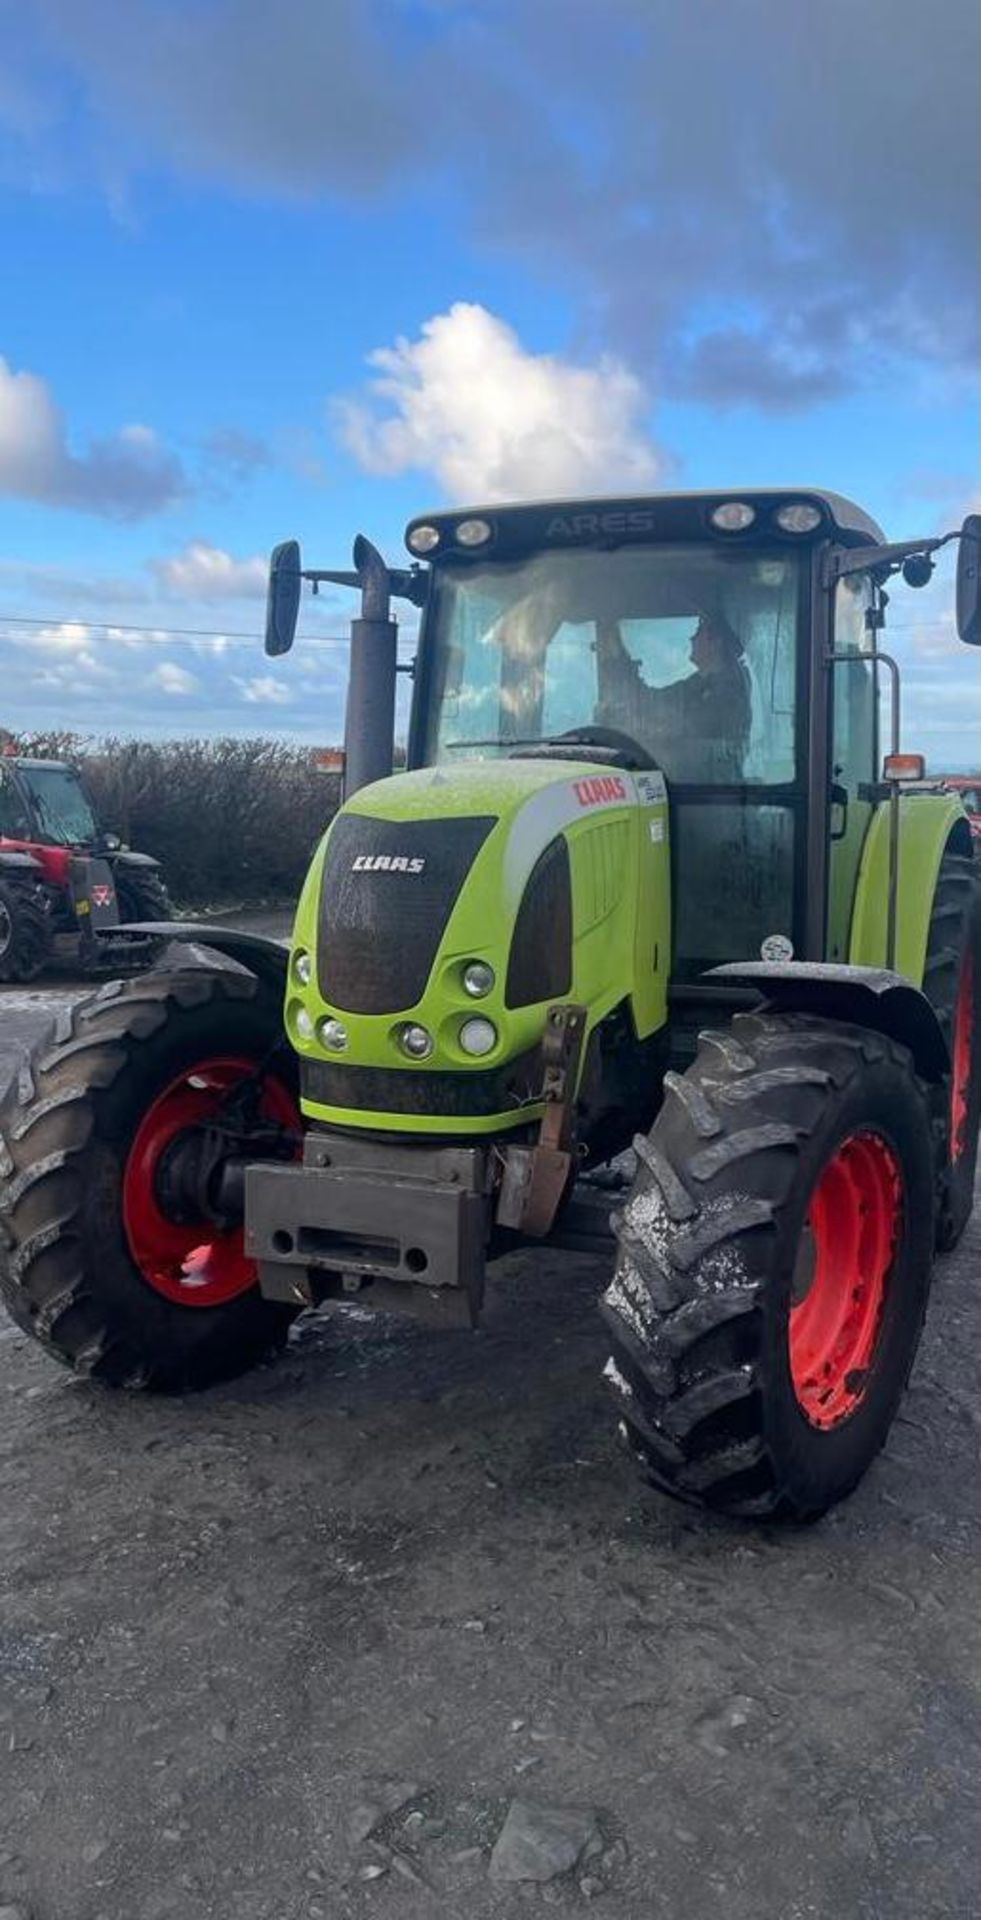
{"points": [[854, 755]]}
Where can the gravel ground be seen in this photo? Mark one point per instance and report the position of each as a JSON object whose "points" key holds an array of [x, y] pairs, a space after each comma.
{"points": [[293, 1649]]}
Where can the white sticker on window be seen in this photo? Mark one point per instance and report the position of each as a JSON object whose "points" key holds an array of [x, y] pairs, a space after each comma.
{"points": [[777, 947], [650, 788]]}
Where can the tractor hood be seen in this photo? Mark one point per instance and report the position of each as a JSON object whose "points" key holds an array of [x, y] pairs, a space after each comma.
{"points": [[527, 866], [529, 800]]}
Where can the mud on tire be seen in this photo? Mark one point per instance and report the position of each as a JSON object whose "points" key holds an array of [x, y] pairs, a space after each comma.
{"points": [[711, 1246], [68, 1275]]}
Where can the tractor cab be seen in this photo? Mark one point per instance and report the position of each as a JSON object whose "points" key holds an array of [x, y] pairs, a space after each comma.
{"points": [[44, 802], [690, 639]]}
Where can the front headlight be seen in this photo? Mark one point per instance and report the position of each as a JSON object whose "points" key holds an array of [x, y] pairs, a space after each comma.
{"points": [[478, 979], [332, 1034], [478, 1037], [416, 1041], [301, 1022]]}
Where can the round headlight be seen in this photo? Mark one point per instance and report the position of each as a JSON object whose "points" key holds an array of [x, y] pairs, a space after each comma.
{"points": [[478, 979], [798, 516], [733, 516], [417, 1042], [423, 539], [302, 967], [478, 1037], [472, 533], [302, 1022], [333, 1035]]}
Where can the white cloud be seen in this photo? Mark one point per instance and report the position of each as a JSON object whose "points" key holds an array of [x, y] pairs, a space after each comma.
{"points": [[468, 403], [69, 637], [264, 690], [204, 572], [172, 679], [125, 476]]}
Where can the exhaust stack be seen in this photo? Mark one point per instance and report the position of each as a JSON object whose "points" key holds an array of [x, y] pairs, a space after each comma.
{"points": [[369, 724]]}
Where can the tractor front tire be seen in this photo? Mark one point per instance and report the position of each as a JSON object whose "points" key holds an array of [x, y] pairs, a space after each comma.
{"points": [[952, 984], [141, 895], [24, 935], [773, 1266], [94, 1262]]}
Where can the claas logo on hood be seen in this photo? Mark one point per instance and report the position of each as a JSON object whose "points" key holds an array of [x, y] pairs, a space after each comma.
{"points": [[387, 863]]}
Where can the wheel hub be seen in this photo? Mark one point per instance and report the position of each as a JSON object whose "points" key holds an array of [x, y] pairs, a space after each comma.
{"points": [[182, 1218], [840, 1280]]}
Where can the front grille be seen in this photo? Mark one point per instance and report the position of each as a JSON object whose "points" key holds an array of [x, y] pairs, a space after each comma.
{"points": [[470, 1093], [380, 926]]}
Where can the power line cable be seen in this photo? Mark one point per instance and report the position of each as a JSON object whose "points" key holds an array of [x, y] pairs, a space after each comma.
{"points": [[156, 633]]}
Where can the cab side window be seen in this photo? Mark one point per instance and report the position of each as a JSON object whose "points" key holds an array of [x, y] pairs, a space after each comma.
{"points": [[14, 824]]}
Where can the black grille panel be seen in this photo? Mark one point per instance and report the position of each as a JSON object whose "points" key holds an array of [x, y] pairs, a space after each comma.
{"points": [[540, 966], [472, 1092], [380, 926]]}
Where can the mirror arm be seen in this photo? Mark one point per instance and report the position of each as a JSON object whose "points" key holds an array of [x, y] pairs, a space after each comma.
{"points": [[839, 562], [316, 574], [403, 583]]}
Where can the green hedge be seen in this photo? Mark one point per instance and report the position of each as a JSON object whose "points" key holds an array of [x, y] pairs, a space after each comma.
{"points": [[231, 821]]}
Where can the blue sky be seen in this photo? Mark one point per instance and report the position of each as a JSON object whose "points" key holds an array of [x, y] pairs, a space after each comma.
{"points": [[630, 246]]}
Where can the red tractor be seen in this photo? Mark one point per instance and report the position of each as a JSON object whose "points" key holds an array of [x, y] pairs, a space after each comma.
{"points": [[64, 883], [968, 786]]}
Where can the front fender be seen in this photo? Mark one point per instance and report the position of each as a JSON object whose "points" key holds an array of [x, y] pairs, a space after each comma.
{"points": [[865, 996], [124, 857], [267, 959]]}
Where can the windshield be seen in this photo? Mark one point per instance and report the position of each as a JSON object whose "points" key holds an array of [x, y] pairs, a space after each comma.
{"points": [[63, 813], [689, 650]]}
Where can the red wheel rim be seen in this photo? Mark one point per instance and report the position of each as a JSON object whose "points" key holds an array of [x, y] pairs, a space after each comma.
{"points": [[197, 1265], [963, 1055], [841, 1278]]}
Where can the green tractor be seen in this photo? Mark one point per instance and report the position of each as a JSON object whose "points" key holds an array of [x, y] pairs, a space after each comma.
{"points": [[646, 884]]}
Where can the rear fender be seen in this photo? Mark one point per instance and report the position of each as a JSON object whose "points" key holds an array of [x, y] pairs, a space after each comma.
{"points": [[928, 825], [865, 996]]}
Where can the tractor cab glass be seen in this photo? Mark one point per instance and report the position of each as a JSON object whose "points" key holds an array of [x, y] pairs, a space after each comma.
{"points": [[15, 821], [61, 811], [689, 650]]}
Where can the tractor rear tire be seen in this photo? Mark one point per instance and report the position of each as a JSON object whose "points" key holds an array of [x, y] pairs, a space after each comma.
{"points": [[92, 1265], [24, 933], [952, 984], [773, 1267]]}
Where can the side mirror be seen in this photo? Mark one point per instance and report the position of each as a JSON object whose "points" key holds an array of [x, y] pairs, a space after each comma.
{"points": [[283, 597], [968, 597]]}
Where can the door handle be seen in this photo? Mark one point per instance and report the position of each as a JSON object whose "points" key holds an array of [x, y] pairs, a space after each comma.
{"points": [[839, 798]]}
